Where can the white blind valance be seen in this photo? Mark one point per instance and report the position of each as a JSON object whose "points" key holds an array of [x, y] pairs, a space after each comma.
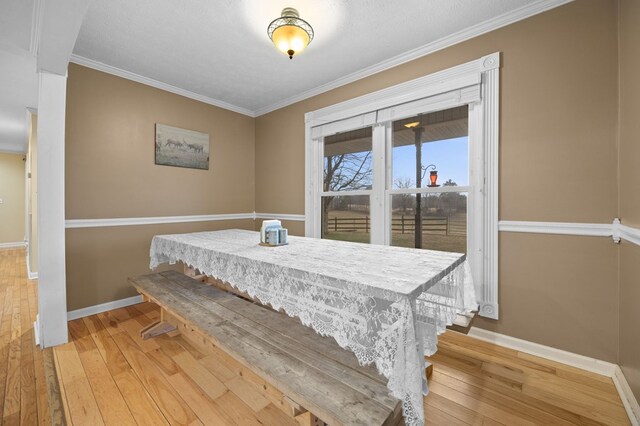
{"points": [[351, 123], [447, 100], [453, 93]]}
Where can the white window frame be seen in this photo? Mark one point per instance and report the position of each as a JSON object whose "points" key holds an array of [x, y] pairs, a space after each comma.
{"points": [[483, 158]]}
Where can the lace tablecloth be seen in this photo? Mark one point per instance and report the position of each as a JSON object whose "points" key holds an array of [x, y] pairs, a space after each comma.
{"points": [[385, 304]]}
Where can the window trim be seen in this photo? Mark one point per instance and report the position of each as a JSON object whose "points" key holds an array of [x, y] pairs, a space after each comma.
{"points": [[485, 112]]}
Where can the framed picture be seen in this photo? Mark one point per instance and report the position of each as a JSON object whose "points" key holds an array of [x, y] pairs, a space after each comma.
{"points": [[181, 148]]}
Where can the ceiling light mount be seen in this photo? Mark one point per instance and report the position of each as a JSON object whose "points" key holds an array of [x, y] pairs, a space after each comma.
{"points": [[289, 33]]}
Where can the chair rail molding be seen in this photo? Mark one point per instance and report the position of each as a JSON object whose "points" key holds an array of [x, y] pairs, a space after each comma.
{"points": [[155, 220], [284, 216], [132, 221], [615, 230], [560, 228]]}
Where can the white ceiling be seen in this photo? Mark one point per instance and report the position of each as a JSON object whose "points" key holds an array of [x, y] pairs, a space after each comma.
{"points": [[218, 50], [18, 78]]}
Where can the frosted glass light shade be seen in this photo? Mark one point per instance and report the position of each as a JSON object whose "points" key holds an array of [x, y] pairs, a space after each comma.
{"points": [[289, 33], [290, 39]]}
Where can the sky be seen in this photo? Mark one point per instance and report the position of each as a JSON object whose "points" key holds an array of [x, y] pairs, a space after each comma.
{"points": [[450, 156]]}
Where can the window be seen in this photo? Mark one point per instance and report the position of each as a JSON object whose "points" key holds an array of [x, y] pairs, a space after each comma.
{"points": [[429, 181], [347, 180], [414, 165]]}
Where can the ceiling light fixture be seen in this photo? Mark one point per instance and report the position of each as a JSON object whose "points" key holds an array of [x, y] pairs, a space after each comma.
{"points": [[289, 33]]}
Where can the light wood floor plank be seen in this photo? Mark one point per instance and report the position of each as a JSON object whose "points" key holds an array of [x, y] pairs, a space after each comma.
{"points": [[544, 365], [457, 371], [83, 407], [172, 405], [112, 405], [271, 415], [28, 402], [204, 407], [116, 362], [13, 382], [460, 412], [141, 404], [5, 331], [525, 370]]}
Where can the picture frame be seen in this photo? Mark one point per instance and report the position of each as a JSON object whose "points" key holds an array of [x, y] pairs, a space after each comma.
{"points": [[179, 147]]}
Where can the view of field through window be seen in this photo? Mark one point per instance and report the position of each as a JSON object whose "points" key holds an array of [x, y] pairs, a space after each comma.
{"points": [[428, 151]]}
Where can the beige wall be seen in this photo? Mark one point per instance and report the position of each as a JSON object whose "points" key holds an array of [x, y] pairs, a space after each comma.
{"points": [[560, 291], [557, 134], [33, 194], [110, 173], [630, 190], [99, 260], [12, 195], [110, 164]]}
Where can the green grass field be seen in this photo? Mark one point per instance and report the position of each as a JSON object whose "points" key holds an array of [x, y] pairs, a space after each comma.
{"points": [[430, 241]]}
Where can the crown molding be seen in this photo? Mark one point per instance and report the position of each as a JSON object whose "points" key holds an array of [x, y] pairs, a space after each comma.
{"points": [[36, 26], [489, 25], [99, 66]]}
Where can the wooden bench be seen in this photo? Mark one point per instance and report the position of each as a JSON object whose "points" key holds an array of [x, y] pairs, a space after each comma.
{"points": [[310, 376]]}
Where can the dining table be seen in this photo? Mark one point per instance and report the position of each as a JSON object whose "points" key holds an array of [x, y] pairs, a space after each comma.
{"points": [[385, 304]]}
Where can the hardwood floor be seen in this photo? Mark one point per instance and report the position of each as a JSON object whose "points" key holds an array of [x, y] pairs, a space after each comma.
{"points": [[108, 375], [112, 376], [23, 389]]}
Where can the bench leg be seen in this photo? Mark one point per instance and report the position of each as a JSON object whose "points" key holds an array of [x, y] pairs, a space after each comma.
{"points": [[429, 368], [156, 329]]}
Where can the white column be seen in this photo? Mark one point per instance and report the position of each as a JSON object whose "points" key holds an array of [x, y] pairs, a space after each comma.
{"points": [[52, 290]]}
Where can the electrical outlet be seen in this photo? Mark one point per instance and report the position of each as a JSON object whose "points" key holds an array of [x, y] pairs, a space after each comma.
{"points": [[1, 201]]}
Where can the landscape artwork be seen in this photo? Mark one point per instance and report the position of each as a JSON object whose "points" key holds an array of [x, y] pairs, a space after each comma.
{"points": [[181, 148]]}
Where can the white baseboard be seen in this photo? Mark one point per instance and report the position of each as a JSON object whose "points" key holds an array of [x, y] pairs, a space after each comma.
{"points": [[574, 360], [13, 244], [568, 358], [36, 330], [628, 398], [31, 275], [96, 309]]}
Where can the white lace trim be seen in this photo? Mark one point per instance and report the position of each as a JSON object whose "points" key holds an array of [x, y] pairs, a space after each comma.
{"points": [[353, 301]]}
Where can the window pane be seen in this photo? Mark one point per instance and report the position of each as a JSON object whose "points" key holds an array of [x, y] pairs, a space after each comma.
{"points": [[435, 142], [443, 217], [347, 161], [346, 218]]}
